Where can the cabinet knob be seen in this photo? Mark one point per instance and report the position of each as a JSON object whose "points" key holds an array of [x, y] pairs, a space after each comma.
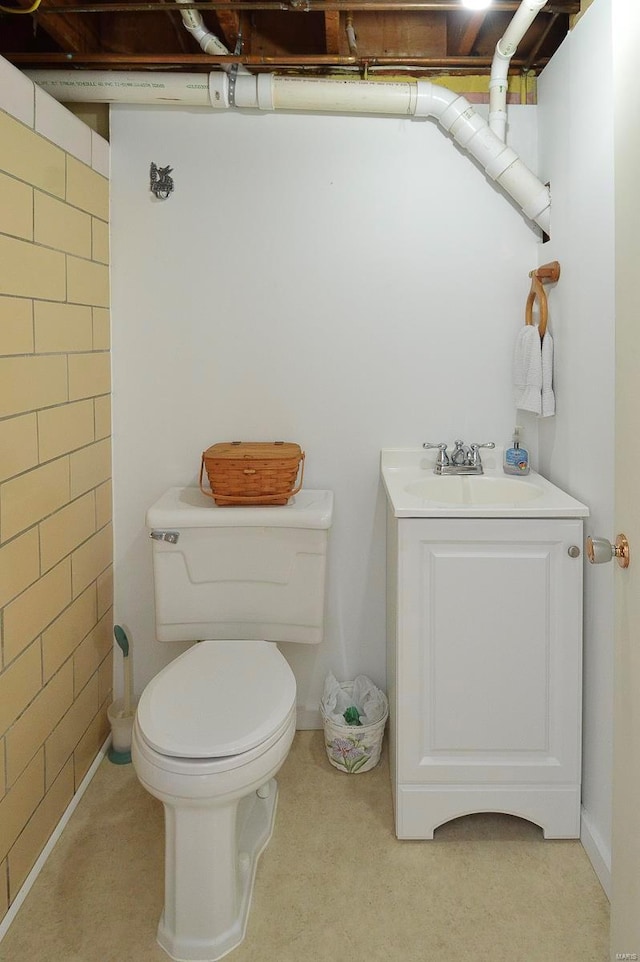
{"points": [[574, 551], [599, 551]]}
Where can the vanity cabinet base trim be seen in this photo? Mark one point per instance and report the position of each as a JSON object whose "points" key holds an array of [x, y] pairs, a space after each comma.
{"points": [[420, 809]]}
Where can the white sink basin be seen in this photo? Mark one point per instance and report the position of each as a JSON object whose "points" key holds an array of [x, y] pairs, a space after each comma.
{"points": [[474, 489], [414, 491]]}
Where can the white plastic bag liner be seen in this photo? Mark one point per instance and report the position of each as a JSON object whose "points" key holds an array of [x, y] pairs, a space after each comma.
{"points": [[353, 748], [361, 692]]}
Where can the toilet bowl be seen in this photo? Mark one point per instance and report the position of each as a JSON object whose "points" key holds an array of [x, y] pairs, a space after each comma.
{"points": [[211, 731], [213, 728]]}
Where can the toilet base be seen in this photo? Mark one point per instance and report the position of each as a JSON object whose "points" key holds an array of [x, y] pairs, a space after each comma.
{"points": [[255, 818]]}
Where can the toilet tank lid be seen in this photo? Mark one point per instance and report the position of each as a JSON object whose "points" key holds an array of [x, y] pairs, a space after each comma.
{"points": [[190, 508]]}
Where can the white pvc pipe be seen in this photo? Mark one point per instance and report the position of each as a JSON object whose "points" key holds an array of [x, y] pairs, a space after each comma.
{"points": [[420, 98], [192, 19], [122, 87], [505, 49], [455, 114], [194, 23], [344, 96]]}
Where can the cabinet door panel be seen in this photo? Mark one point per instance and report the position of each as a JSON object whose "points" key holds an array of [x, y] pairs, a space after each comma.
{"points": [[489, 664], [486, 655]]}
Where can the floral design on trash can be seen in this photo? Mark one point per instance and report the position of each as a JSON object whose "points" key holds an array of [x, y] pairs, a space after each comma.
{"points": [[348, 753], [353, 747]]}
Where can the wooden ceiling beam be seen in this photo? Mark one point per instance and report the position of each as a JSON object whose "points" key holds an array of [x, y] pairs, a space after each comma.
{"points": [[73, 33], [179, 31], [462, 35], [332, 31], [229, 22]]}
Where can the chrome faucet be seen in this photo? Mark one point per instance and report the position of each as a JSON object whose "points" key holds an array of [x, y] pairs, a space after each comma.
{"points": [[462, 460], [460, 456]]}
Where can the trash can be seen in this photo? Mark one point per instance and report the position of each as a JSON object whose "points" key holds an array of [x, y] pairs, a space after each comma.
{"points": [[353, 748]]}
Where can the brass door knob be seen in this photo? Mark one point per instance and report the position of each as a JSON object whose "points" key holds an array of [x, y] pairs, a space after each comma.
{"points": [[599, 551]]}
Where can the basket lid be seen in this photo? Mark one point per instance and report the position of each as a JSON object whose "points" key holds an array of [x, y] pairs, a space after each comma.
{"points": [[257, 450]]}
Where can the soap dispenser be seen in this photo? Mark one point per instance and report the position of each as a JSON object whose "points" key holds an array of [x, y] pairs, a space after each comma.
{"points": [[516, 459]]}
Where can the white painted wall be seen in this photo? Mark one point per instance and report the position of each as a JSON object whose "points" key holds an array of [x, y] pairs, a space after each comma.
{"points": [[349, 283], [576, 447]]}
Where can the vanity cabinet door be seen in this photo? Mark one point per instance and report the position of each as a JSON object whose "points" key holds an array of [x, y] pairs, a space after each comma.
{"points": [[488, 661]]}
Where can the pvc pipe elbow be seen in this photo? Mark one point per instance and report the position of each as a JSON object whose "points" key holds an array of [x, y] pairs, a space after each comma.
{"points": [[500, 63], [207, 41], [197, 31], [211, 45], [432, 100], [190, 18], [520, 23]]}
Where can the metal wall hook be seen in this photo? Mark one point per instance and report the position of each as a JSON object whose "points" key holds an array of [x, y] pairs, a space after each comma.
{"points": [[160, 183]]}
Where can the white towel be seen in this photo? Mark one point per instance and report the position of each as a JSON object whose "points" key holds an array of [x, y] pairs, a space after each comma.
{"points": [[548, 397], [527, 370]]}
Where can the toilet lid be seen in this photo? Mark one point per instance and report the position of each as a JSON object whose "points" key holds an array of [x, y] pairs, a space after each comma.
{"points": [[219, 698]]}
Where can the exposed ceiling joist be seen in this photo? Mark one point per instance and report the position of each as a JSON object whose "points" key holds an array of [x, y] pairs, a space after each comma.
{"points": [[229, 22], [332, 31], [70, 32], [415, 36], [463, 34]]}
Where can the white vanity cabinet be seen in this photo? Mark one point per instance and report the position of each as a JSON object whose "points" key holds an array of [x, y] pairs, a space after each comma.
{"points": [[484, 669]]}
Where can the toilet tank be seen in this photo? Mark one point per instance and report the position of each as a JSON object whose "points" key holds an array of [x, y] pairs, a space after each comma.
{"points": [[239, 572]]}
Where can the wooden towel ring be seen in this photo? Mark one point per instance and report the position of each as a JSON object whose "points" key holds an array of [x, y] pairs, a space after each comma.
{"points": [[548, 273]]}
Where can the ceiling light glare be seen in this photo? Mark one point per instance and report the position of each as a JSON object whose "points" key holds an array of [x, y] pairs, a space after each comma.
{"points": [[476, 4]]}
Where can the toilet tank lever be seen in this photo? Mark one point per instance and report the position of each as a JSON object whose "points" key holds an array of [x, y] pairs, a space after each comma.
{"points": [[170, 536]]}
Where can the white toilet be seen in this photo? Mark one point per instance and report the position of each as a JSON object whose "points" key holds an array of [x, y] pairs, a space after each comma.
{"points": [[213, 727]]}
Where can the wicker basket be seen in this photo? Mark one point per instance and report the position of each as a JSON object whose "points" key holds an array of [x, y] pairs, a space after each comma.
{"points": [[247, 472]]}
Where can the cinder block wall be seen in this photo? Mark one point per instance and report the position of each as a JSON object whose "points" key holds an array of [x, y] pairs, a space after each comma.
{"points": [[55, 467]]}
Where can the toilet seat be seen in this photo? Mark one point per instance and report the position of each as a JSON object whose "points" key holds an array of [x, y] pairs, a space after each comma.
{"points": [[219, 699]]}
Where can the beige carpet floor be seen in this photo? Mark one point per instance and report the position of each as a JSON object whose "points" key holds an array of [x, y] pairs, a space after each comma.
{"points": [[334, 884]]}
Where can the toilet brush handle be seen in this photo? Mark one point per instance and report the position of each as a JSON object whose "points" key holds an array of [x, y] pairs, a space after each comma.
{"points": [[123, 643], [127, 685]]}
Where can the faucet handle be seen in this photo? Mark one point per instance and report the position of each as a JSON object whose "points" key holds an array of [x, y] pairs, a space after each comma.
{"points": [[443, 457], [474, 450]]}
